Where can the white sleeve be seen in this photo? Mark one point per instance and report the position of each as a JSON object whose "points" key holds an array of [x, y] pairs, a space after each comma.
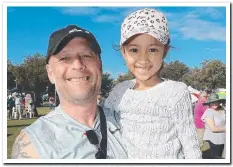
{"points": [[183, 119], [115, 96], [110, 101]]}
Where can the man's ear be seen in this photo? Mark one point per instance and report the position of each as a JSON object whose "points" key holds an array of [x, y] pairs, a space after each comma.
{"points": [[50, 73], [166, 50]]}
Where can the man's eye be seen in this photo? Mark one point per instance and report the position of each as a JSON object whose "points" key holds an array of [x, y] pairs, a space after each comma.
{"points": [[87, 56], [64, 59], [134, 50], [153, 50]]}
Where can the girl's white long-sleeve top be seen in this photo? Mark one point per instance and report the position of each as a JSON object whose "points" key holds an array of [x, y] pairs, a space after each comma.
{"points": [[156, 123]]}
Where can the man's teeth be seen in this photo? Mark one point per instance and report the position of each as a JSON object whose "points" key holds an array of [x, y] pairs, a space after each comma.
{"points": [[79, 79]]}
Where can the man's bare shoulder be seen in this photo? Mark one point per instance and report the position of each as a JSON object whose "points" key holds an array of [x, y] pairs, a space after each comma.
{"points": [[23, 148]]}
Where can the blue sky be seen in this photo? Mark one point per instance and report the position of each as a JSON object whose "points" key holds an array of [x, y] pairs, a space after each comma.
{"points": [[197, 33]]}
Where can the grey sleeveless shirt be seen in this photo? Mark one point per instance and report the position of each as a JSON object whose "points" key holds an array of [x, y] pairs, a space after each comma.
{"points": [[58, 136]]}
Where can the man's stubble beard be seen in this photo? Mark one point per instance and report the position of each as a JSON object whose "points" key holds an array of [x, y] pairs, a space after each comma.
{"points": [[76, 98]]}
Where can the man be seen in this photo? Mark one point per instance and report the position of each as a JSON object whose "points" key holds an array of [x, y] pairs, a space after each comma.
{"points": [[10, 104], [76, 128], [18, 104], [51, 103], [199, 110]]}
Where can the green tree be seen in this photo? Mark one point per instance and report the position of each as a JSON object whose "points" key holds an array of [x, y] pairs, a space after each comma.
{"points": [[123, 77], [213, 74], [31, 74], [10, 76], [174, 70], [107, 84], [192, 78]]}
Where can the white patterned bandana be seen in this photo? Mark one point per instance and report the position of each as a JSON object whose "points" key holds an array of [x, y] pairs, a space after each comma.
{"points": [[147, 21]]}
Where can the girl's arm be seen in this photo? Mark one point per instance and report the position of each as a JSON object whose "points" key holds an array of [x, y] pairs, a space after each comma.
{"points": [[186, 131], [210, 122]]}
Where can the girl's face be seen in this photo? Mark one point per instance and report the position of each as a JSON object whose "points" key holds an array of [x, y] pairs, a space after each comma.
{"points": [[144, 56]]}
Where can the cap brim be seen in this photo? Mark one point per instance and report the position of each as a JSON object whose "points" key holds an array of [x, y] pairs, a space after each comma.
{"points": [[145, 31], [219, 100]]}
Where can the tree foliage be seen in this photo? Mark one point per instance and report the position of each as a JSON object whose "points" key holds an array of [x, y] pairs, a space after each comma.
{"points": [[107, 84], [31, 74], [123, 77], [211, 75], [10, 76], [192, 78], [174, 70]]}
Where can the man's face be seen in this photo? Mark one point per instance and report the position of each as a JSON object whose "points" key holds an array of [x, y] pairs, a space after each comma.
{"points": [[76, 72]]}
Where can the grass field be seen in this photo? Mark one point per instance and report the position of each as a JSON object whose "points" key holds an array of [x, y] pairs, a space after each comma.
{"points": [[15, 126]]}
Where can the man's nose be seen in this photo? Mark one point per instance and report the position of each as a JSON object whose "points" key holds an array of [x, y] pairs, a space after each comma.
{"points": [[78, 63]]}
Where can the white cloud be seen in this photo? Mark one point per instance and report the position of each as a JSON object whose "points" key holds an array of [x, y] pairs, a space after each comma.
{"points": [[213, 49], [107, 18], [80, 10], [125, 12], [202, 30], [194, 25], [97, 12], [213, 13]]}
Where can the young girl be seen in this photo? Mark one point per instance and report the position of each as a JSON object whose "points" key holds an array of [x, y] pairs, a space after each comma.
{"points": [[215, 125], [155, 114]]}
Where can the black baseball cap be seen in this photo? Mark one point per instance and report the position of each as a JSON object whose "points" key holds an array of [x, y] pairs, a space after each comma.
{"points": [[60, 38]]}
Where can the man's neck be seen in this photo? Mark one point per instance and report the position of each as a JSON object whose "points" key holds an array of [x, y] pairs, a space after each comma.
{"points": [[84, 114]]}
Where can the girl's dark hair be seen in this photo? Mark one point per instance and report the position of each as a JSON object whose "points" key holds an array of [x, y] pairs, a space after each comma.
{"points": [[118, 47]]}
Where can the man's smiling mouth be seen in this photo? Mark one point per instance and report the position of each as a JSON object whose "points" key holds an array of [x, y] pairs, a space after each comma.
{"points": [[78, 79]]}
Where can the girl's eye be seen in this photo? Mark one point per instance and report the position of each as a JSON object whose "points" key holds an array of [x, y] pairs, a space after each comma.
{"points": [[134, 50], [153, 50]]}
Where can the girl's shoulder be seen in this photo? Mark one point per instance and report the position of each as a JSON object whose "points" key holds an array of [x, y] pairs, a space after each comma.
{"points": [[124, 85], [175, 85], [115, 95], [174, 93]]}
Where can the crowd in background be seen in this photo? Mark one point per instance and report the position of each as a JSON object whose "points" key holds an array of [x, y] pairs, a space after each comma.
{"points": [[210, 122], [20, 105]]}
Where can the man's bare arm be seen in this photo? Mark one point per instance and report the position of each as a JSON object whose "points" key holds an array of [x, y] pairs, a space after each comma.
{"points": [[23, 148]]}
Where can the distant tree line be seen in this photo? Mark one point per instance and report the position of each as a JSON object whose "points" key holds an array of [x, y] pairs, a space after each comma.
{"points": [[31, 75]]}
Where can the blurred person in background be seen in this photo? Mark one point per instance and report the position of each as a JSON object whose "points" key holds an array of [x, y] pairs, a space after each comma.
{"points": [[199, 110], [215, 125], [18, 105]]}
